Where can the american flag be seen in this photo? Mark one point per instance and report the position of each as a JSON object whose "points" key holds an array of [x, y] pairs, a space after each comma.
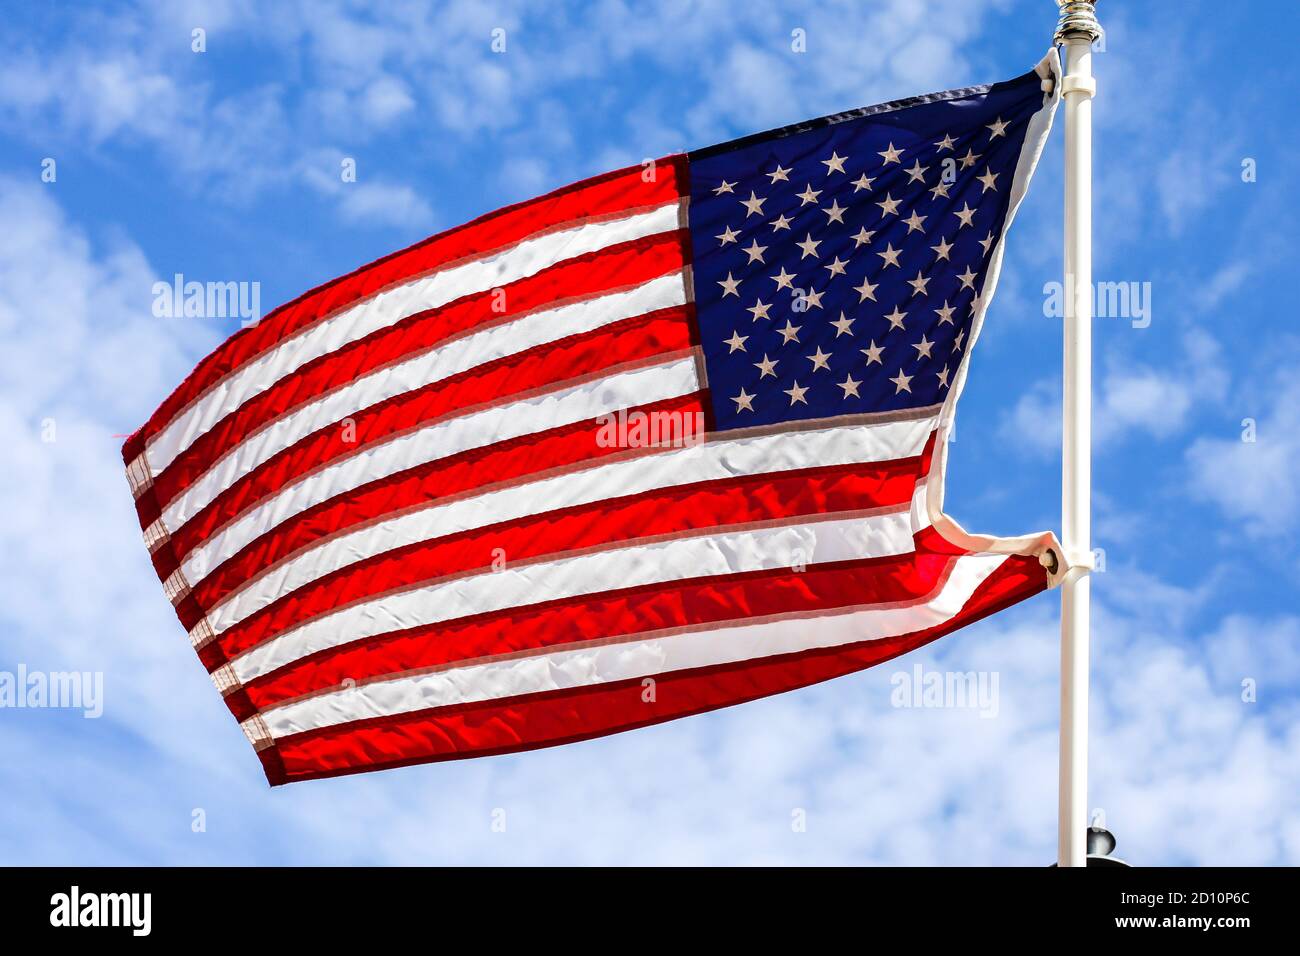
{"points": [[662, 441]]}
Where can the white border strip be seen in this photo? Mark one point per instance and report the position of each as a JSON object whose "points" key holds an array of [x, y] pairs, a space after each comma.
{"points": [[1040, 124]]}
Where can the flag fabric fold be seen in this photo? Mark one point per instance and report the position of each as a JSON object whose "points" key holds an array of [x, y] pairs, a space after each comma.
{"points": [[662, 441]]}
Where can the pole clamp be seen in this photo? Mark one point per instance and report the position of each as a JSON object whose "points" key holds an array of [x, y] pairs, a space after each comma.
{"points": [[1079, 84], [1065, 565]]}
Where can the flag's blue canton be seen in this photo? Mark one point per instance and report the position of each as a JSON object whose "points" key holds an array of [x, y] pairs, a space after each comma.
{"points": [[836, 267]]}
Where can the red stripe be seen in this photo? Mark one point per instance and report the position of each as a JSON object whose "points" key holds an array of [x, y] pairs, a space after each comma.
{"points": [[601, 196], [621, 266], [527, 457], [691, 602], [633, 341], [677, 510], [543, 720]]}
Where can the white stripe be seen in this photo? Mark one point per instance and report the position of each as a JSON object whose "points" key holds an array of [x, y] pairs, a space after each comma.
{"points": [[515, 419], [585, 667], [751, 455], [675, 559], [433, 366], [385, 308]]}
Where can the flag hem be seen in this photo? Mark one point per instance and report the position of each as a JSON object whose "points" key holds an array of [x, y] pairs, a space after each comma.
{"points": [[1036, 544]]}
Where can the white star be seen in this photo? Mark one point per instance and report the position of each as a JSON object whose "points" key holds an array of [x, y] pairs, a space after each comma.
{"points": [[986, 242], [783, 278], [780, 222], [998, 127], [901, 382], [835, 212], [942, 249], [864, 235], [896, 318], [940, 189], [923, 347], [873, 353], [780, 173], [737, 342], [890, 255], [759, 310], [730, 286], [728, 235], [945, 143], [754, 251], [744, 401], [943, 377], [809, 246], [890, 155], [914, 223], [796, 394], [968, 278], [988, 179], [945, 314], [850, 386], [956, 343], [862, 182], [866, 290], [790, 332], [818, 359], [966, 214], [753, 204], [917, 173], [814, 299], [808, 195], [843, 325], [918, 284], [835, 164], [726, 187], [766, 367], [889, 207], [968, 160], [836, 267]]}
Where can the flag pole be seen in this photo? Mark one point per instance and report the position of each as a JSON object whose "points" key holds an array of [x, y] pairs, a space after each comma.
{"points": [[1076, 31]]}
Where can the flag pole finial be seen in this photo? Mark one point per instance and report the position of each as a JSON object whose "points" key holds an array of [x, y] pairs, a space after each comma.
{"points": [[1078, 18]]}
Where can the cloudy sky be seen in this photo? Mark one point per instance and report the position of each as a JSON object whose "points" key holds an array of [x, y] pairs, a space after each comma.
{"points": [[224, 165]]}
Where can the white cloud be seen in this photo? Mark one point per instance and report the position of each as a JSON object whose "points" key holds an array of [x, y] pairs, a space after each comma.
{"points": [[383, 203], [1254, 482], [1129, 399], [356, 76], [1034, 422], [385, 100], [366, 200]]}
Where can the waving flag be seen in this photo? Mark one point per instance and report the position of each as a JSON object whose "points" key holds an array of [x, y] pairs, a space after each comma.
{"points": [[662, 441]]}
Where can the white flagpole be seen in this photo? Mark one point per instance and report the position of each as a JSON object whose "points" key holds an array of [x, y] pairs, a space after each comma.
{"points": [[1076, 31]]}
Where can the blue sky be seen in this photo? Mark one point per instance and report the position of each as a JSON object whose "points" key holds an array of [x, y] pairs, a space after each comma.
{"points": [[224, 166]]}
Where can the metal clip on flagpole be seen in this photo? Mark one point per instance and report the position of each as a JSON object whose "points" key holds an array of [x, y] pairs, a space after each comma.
{"points": [[1076, 31]]}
